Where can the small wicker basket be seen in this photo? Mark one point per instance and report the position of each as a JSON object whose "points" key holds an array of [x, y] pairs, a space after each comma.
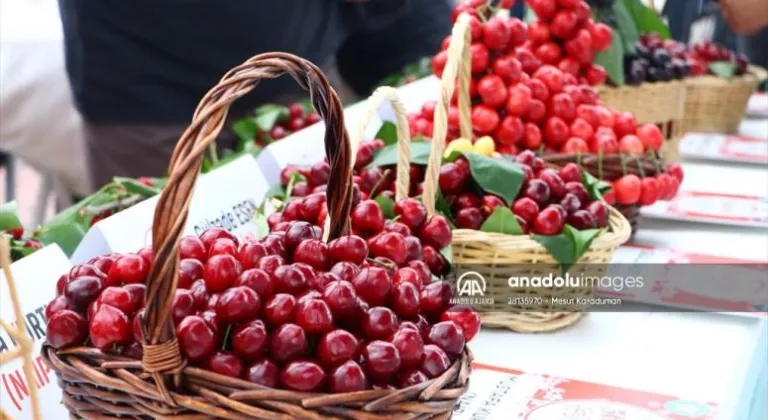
{"points": [[717, 105], [659, 103], [99, 386], [497, 257]]}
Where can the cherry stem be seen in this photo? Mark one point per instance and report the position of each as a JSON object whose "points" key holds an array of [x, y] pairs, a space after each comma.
{"points": [[578, 159], [120, 203], [600, 163], [623, 164], [640, 166], [383, 264], [375, 188], [655, 161]]}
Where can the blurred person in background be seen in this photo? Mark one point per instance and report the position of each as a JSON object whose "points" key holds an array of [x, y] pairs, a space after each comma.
{"points": [[138, 68], [749, 18]]}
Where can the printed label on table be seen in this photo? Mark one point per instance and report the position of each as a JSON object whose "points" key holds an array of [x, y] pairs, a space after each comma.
{"points": [[506, 394], [689, 280], [724, 148], [226, 197], [758, 105], [35, 277], [707, 207]]}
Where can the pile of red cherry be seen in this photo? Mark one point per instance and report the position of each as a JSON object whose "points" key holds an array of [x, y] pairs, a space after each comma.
{"points": [[703, 53], [631, 189], [297, 119], [547, 200], [526, 96], [288, 310]]}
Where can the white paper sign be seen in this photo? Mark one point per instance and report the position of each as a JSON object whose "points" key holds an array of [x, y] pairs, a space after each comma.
{"points": [[724, 147], [36, 277], [707, 207], [227, 197], [758, 105]]}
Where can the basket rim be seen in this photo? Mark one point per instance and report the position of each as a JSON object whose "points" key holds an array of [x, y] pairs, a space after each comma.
{"points": [[678, 84], [618, 231], [750, 77]]}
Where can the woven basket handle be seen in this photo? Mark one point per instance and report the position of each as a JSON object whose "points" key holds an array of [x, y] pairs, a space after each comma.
{"points": [[161, 351], [459, 64], [386, 93]]}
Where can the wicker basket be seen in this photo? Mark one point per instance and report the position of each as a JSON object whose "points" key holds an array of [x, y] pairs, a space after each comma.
{"points": [[100, 386], [496, 257], [658, 103], [717, 105]]}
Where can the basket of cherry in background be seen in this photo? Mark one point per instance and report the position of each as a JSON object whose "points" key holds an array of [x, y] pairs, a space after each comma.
{"points": [[309, 321]]}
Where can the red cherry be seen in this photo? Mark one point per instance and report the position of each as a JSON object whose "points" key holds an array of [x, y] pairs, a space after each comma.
{"points": [[538, 191], [552, 78], [649, 191], [556, 185], [336, 347], [129, 268], [527, 59], [519, 98], [492, 90], [280, 309], [410, 346], [347, 377], [448, 336], [288, 342], [435, 298], [314, 253], [397, 227], [263, 372], [373, 285], [302, 375], [119, 298], [538, 32], [222, 246], [345, 270], [314, 316], [249, 340], [214, 233], [250, 253], [192, 247], [381, 359], [570, 203], [436, 232], [496, 34], [537, 111], [257, 280], [548, 222], [596, 75], [575, 145], [625, 124], [390, 245], [480, 57], [220, 272], [484, 119], [518, 31], [581, 220], [602, 36], [532, 138], [435, 362], [190, 270], [414, 249], [563, 106], [631, 144], [238, 304], [556, 131], [224, 363], [452, 180], [66, 328], [571, 173], [59, 303], [87, 270], [298, 232], [676, 171], [526, 208], [341, 298], [436, 262], [274, 244], [628, 189], [579, 190], [549, 53], [379, 323], [423, 270], [508, 68], [470, 218], [466, 318], [289, 279], [81, 291], [563, 23], [368, 217], [411, 377], [405, 297], [109, 326], [651, 136], [350, 248]]}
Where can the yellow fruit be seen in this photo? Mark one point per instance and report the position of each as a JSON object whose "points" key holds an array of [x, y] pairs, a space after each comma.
{"points": [[459, 145], [484, 146]]}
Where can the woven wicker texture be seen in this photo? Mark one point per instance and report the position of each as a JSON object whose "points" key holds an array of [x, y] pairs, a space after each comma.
{"points": [[98, 385], [717, 105], [657, 103], [496, 257]]}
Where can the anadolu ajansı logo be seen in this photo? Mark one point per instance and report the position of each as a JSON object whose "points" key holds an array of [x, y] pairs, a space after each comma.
{"points": [[471, 288]]}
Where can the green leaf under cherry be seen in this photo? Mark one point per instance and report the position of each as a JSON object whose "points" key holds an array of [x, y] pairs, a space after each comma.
{"points": [[502, 220]]}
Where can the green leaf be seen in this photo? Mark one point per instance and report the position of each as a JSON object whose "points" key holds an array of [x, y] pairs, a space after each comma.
{"points": [[387, 206], [442, 206], [246, 130], [135, 187], [268, 115], [724, 69], [67, 235], [295, 177], [496, 176], [595, 186], [502, 220], [560, 246], [276, 191], [530, 15], [646, 19], [627, 27], [612, 60], [581, 239], [262, 227], [447, 252], [387, 155], [18, 252], [207, 165], [9, 219], [387, 133]]}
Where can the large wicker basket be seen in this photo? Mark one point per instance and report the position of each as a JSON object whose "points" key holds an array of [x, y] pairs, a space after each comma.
{"points": [[659, 103], [717, 105], [497, 257], [98, 385]]}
